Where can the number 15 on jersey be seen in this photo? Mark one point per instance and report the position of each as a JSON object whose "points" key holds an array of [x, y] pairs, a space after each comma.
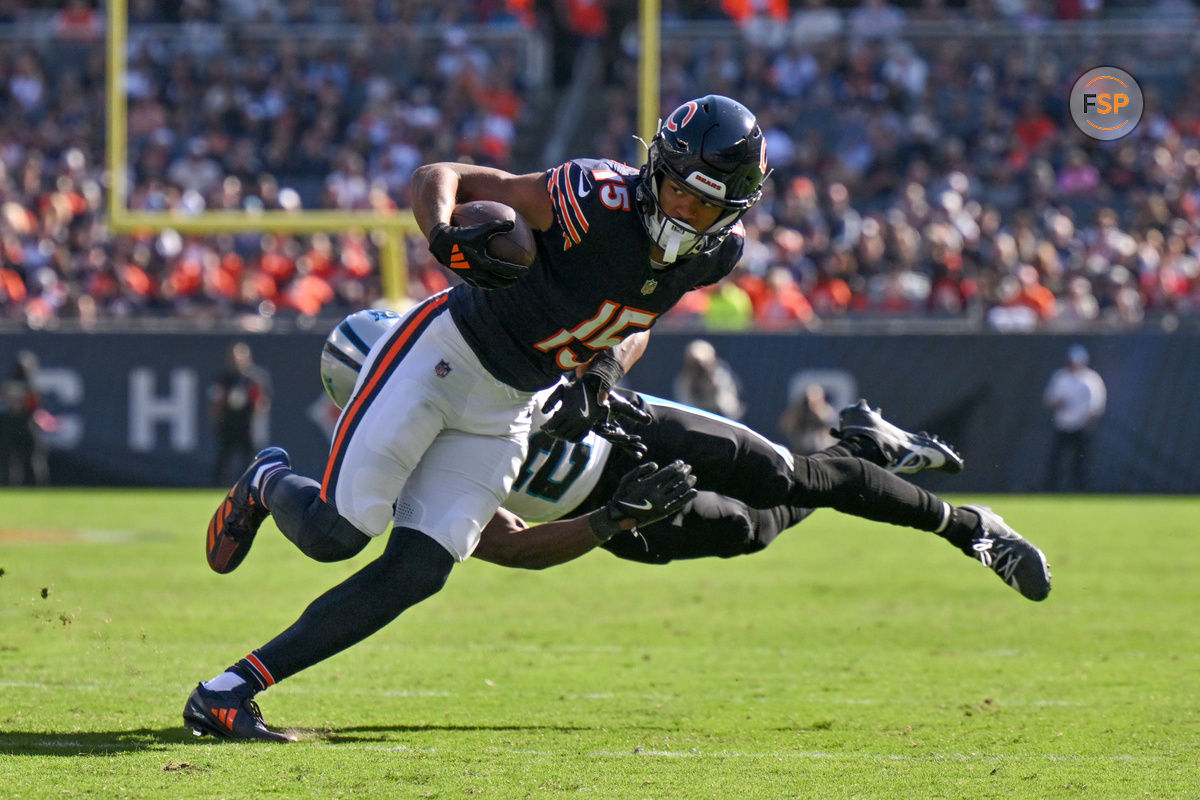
{"points": [[612, 323]]}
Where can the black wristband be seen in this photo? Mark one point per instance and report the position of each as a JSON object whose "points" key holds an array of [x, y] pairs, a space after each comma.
{"points": [[607, 368], [603, 525]]}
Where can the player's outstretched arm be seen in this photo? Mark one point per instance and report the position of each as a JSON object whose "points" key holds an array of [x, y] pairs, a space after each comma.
{"points": [[509, 542], [645, 495]]}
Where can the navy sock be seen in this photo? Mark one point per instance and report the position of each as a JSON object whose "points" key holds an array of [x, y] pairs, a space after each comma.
{"points": [[254, 672]]}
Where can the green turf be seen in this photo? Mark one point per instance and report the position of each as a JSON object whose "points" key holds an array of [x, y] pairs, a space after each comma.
{"points": [[850, 660]]}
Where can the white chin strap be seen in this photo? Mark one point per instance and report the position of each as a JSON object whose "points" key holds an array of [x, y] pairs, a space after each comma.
{"points": [[671, 250], [673, 240]]}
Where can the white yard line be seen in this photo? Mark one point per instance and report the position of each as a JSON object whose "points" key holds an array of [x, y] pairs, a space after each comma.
{"points": [[815, 755]]}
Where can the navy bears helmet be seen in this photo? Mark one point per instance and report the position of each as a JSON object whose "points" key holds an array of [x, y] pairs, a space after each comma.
{"points": [[714, 147]]}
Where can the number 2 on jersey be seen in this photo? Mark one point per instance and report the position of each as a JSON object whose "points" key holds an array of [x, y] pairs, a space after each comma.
{"points": [[606, 329]]}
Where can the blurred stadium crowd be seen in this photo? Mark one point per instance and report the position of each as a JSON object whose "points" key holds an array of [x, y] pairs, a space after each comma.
{"points": [[925, 163]]}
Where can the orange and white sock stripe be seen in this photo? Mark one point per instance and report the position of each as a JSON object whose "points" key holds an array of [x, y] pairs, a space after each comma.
{"points": [[265, 679]]}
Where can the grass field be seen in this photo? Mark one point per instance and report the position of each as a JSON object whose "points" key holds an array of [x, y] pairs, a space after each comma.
{"points": [[849, 660]]}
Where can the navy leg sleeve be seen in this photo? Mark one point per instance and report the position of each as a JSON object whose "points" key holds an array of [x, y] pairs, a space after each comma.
{"points": [[309, 522], [412, 568]]}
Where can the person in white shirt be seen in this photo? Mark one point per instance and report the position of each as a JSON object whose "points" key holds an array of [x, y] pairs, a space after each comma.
{"points": [[1077, 398]]}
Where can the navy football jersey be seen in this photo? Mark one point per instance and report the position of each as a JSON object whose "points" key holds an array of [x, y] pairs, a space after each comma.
{"points": [[591, 285]]}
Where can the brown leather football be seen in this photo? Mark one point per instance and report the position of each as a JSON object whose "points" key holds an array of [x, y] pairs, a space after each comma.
{"points": [[515, 246]]}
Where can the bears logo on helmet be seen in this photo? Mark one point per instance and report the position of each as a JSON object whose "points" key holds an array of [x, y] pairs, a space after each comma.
{"points": [[715, 148]]}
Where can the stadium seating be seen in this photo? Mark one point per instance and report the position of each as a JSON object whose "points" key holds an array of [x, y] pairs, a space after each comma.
{"points": [[925, 168]]}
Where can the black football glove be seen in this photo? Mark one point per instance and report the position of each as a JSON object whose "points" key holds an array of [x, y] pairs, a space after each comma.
{"points": [[579, 408], [464, 250], [620, 409], [646, 494]]}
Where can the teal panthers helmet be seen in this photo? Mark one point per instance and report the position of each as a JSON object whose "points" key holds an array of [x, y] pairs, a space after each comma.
{"points": [[346, 349]]}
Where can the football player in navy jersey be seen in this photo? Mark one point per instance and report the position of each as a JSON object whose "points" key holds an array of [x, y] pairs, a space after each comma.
{"points": [[438, 427]]}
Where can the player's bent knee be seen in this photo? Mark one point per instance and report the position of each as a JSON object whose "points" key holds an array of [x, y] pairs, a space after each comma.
{"points": [[632, 547], [768, 523], [328, 536], [713, 526], [718, 525], [342, 542], [416, 559], [740, 535]]}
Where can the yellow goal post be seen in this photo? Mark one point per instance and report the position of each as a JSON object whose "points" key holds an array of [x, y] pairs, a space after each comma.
{"points": [[391, 228]]}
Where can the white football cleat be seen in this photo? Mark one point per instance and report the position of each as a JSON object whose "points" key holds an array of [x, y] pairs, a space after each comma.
{"points": [[902, 451]]}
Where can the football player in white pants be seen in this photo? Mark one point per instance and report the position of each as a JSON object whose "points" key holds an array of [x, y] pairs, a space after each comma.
{"points": [[443, 412], [741, 506]]}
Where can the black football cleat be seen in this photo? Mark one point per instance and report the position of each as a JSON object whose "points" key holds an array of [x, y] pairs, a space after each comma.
{"points": [[1009, 554], [903, 452], [232, 529], [227, 715]]}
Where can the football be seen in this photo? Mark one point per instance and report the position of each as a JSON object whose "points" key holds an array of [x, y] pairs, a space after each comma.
{"points": [[515, 246]]}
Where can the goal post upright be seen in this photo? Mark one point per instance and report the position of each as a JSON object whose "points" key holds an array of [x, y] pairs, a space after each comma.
{"points": [[649, 61], [115, 150], [391, 228]]}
